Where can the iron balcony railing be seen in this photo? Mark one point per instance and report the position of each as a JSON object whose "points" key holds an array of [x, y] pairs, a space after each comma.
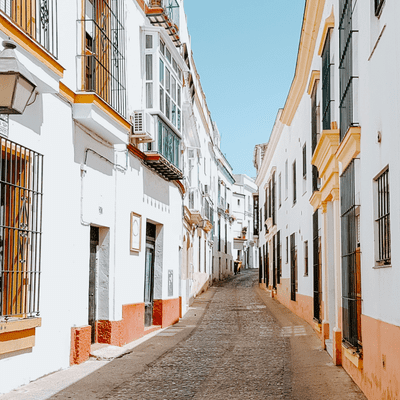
{"points": [[37, 18], [171, 8]]}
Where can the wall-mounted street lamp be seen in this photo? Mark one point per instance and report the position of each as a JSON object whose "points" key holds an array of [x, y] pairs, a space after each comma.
{"points": [[16, 82]]}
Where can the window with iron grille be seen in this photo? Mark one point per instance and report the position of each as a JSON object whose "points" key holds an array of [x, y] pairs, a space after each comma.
{"points": [[219, 234], [305, 162], [346, 77], [294, 183], [317, 268], [293, 267], [382, 221], [326, 83], [351, 265], [255, 216], [104, 52], [279, 257], [280, 190], [287, 249], [273, 194], [306, 258], [266, 264], [21, 174], [38, 19], [274, 262], [261, 220], [315, 124], [260, 265], [226, 238], [378, 6]]}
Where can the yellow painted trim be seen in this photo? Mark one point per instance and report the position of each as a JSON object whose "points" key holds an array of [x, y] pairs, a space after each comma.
{"points": [[311, 23], [315, 76], [329, 24], [93, 98], [315, 200], [17, 344], [67, 93], [30, 45], [20, 325], [350, 146], [325, 152], [353, 357]]}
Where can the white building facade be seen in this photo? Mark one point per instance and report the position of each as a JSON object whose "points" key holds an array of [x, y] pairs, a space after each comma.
{"points": [[327, 185], [97, 180]]}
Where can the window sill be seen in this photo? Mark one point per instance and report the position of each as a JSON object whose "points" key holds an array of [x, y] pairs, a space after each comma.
{"points": [[18, 334], [353, 357], [378, 266]]}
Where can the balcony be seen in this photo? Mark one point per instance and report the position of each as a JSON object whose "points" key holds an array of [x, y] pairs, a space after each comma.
{"points": [[38, 19], [163, 155], [165, 13]]}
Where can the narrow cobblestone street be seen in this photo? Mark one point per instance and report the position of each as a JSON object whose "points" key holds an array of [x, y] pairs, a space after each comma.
{"points": [[238, 350]]}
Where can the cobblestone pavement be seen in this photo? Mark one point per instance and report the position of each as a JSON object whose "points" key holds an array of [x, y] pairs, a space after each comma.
{"points": [[237, 352], [234, 343]]}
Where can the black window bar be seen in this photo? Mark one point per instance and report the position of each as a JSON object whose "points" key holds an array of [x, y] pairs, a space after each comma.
{"points": [[317, 269], [351, 268], [279, 257], [326, 83], [314, 119], [37, 18], [378, 6], [21, 185], [260, 265], [273, 201], [294, 183], [274, 263], [383, 219], [346, 67], [293, 267], [304, 161], [255, 216], [266, 264], [104, 52]]}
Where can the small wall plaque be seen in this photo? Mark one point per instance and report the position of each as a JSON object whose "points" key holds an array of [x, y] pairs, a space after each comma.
{"points": [[136, 232]]}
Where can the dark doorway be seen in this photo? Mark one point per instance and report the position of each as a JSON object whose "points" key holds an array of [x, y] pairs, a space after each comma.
{"points": [[149, 274], [94, 243], [293, 267]]}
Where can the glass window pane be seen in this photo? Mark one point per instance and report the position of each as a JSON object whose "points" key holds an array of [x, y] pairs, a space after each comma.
{"points": [[179, 120], [168, 106], [173, 119], [149, 95], [173, 88], [149, 67], [162, 47], [160, 136], [179, 96], [149, 41], [167, 80], [162, 72], [168, 55], [174, 65], [161, 99]]}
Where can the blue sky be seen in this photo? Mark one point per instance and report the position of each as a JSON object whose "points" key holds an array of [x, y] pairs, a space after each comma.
{"points": [[246, 58]]}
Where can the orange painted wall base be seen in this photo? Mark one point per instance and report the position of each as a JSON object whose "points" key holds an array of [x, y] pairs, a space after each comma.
{"points": [[80, 344], [119, 333], [166, 312]]}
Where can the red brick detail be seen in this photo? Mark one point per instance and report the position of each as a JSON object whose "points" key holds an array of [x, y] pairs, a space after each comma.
{"points": [[119, 333], [166, 312], [80, 344]]}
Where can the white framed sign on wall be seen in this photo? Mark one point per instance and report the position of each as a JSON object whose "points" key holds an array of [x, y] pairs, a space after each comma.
{"points": [[136, 232]]}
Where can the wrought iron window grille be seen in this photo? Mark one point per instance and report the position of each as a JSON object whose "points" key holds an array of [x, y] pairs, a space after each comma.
{"points": [[21, 185], [383, 219], [317, 273], [103, 55], [326, 83], [378, 6], [351, 264], [37, 18]]}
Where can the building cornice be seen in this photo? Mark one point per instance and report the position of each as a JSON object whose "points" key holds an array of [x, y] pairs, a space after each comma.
{"points": [[311, 23]]}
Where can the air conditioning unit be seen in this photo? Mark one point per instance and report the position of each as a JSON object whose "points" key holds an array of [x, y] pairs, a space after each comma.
{"points": [[142, 126]]}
